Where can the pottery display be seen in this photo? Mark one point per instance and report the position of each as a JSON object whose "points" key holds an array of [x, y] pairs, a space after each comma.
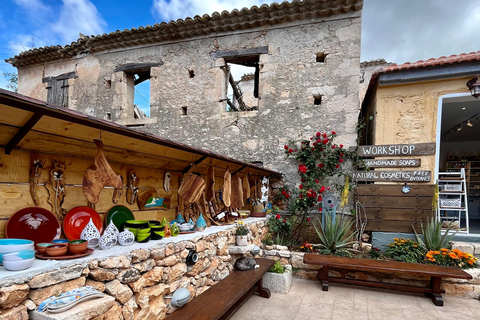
{"points": [[12, 245], [60, 241], [157, 232], [175, 231], [91, 234], [186, 227], [180, 219], [20, 255], [42, 247], [107, 241], [126, 238]]}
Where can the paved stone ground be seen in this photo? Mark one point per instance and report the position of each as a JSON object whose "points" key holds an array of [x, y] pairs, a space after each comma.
{"points": [[307, 301]]}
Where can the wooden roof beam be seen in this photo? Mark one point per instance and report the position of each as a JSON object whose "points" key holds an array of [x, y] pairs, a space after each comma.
{"points": [[12, 144]]}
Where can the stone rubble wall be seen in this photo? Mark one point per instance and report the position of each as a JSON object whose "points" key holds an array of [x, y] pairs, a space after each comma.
{"points": [[137, 282], [454, 287]]}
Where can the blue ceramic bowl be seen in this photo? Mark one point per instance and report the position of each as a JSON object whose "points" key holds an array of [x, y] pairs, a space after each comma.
{"points": [[24, 255], [60, 241], [14, 245]]}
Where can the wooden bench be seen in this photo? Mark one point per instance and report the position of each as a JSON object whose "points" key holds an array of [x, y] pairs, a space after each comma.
{"points": [[224, 298], [345, 264]]}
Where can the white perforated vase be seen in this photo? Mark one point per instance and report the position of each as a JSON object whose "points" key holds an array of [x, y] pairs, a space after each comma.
{"points": [[126, 238], [91, 234]]}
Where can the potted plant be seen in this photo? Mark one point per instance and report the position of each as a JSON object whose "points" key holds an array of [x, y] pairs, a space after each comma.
{"points": [[279, 278], [241, 234]]}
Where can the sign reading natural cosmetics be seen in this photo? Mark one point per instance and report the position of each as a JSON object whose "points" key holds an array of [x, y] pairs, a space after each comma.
{"points": [[394, 150]]}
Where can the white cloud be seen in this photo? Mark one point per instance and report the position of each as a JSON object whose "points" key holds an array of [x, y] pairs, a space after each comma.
{"points": [[181, 9], [31, 5], [77, 16]]}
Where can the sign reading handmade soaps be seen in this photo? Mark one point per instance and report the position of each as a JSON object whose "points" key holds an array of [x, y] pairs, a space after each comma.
{"points": [[391, 163], [393, 176], [418, 149]]}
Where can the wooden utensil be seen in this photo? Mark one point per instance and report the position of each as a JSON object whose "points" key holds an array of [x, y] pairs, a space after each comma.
{"points": [[210, 184], [237, 192], [99, 176], [245, 188], [227, 188]]}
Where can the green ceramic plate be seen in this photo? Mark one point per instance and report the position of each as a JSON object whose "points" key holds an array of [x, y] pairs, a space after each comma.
{"points": [[119, 215]]}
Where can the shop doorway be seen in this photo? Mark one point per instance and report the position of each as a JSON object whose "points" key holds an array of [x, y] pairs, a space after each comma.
{"points": [[458, 147]]}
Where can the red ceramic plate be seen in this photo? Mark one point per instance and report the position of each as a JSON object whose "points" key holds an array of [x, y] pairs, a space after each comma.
{"points": [[33, 223], [76, 220]]}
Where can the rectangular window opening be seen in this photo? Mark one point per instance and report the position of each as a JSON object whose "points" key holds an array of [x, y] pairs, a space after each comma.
{"points": [[242, 78], [317, 99], [321, 57], [141, 95], [184, 111]]}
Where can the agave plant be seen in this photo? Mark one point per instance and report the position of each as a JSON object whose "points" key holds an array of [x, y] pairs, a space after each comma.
{"points": [[335, 236], [432, 235]]}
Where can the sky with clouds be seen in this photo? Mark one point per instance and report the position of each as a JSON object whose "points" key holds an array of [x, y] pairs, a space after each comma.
{"points": [[398, 31]]}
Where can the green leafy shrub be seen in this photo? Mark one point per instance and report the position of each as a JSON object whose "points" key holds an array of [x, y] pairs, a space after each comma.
{"points": [[335, 236], [406, 250], [281, 229], [432, 235], [277, 268]]}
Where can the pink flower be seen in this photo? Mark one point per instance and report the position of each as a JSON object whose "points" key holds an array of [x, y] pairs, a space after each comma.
{"points": [[337, 166], [322, 189], [316, 181], [290, 150], [283, 192], [320, 165], [341, 146], [287, 196], [286, 147], [340, 160], [318, 134], [320, 209]]}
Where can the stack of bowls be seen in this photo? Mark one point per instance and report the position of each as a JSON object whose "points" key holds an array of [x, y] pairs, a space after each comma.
{"points": [[14, 245], [157, 232], [19, 260], [42, 247], [140, 228]]}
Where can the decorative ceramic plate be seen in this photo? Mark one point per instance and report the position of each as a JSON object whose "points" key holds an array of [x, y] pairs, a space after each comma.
{"points": [[119, 215], [33, 223], [67, 256], [76, 220]]}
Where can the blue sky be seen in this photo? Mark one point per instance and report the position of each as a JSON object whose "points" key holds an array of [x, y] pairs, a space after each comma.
{"points": [[399, 31]]}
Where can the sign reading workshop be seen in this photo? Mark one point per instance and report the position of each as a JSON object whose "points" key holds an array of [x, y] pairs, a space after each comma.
{"points": [[394, 150]]}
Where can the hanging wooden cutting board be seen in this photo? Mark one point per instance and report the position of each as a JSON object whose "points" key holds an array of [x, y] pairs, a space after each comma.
{"points": [[227, 188], [237, 192], [191, 187], [245, 188], [99, 176], [210, 194]]}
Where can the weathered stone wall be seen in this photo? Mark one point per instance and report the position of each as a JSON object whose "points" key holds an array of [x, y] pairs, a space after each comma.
{"points": [[135, 283], [289, 78]]}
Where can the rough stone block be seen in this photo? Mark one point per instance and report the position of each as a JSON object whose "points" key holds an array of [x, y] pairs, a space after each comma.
{"points": [[139, 255], [12, 296], [158, 254], [149, 278], [82, 311], [270, 252], [128, 275], [169, 249], [144, 265], [279, 282], [151, 302], [463, 246], [120, 262], [97, 285], [119, 291], [240, 249], [29, 304], [201, 246], [17, 313], [54, 277], [115, 313], [168, 261], [39, 295], [128, 309], [102, 274]]}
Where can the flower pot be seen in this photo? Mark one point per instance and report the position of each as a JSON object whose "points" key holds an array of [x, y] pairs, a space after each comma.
{"points": [[241, 240], [279, 282]]}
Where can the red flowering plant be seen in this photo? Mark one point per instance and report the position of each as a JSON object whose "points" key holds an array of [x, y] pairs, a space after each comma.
{"points": [[281, 229], [319, 160]]}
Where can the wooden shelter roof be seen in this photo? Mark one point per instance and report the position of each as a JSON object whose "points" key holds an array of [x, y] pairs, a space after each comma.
{"points": [[33, 125]]}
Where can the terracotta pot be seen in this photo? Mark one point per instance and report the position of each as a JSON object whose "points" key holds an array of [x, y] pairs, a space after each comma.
{"points": [[77, 246], [241, 240]]}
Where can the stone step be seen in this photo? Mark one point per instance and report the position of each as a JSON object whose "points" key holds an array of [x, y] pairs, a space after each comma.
{"points": [[468, 247], [82, 311]]}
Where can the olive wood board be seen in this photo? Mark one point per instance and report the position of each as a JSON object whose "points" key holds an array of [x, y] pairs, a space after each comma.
{"points": [[64, 257]]}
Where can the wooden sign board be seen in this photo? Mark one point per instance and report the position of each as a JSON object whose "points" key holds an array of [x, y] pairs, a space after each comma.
{"points": [[393, 176], [389, 150], [391, 163]]}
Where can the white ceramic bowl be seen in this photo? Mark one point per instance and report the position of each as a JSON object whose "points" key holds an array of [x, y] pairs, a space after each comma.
{"points": [[15, 245], [16, 265], [23, 255], [186, 227]]}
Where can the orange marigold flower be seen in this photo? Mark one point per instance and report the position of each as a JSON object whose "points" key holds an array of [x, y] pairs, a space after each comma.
{"points": [[470, 262], [444, 250], [453, 255], [444, 253]]}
